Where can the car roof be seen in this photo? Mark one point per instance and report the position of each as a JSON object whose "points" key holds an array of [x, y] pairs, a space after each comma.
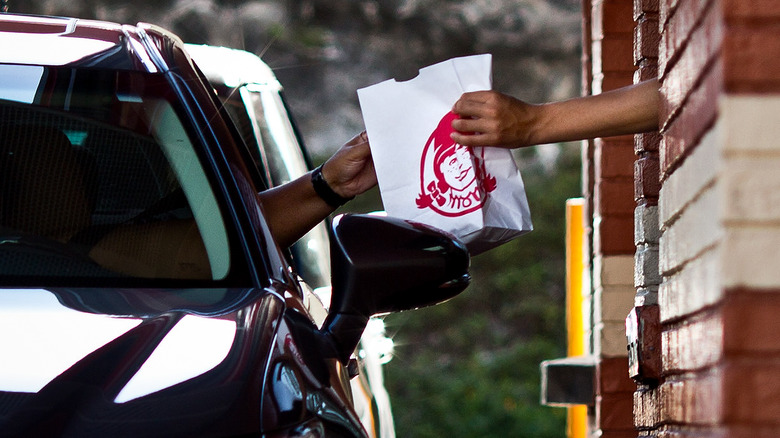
{"points": [[244, 67], [60, 41]]}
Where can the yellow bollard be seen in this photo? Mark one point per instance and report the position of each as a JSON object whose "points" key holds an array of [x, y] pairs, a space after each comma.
{"points": [[577, 415]]}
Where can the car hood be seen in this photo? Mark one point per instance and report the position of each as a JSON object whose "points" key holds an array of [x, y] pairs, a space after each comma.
{"points": [[76, 360]]}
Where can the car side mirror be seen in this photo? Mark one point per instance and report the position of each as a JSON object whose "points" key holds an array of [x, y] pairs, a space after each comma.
{"points": [[383, 264]]}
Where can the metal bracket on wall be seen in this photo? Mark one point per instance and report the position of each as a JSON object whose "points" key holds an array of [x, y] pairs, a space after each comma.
{"points": [[569, 381]]}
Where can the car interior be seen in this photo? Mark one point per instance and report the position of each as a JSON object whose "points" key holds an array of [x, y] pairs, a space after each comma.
{"points": [[116, 187]]}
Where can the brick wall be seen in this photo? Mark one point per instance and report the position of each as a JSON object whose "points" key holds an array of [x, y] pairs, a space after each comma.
{"points": [[718, 161], [705, 215], [610, 169], [646, 192], [646, 168]]}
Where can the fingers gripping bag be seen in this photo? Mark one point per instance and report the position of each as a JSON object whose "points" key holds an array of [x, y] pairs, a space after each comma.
{"points": [[476, 193]]}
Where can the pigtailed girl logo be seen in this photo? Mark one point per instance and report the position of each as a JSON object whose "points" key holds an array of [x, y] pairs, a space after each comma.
{"points": [[453, 180]]}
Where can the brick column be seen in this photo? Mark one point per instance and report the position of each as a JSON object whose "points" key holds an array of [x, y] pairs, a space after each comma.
{"points": [[647, 182], [647, 186], [612, 28]]}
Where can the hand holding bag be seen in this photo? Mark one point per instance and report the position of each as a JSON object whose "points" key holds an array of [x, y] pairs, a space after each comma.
{"points": [[477, 193]]}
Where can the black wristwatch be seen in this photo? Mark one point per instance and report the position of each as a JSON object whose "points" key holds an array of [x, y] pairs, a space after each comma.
{"points": [[325, 191]]}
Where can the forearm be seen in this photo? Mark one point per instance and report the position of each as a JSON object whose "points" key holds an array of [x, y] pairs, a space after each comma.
{"points": [[293, 209], [490, 118], [626, 110]]}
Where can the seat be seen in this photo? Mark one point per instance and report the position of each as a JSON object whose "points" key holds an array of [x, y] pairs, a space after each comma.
{"points": [[162, 249], [42, 184], [48, 188]]}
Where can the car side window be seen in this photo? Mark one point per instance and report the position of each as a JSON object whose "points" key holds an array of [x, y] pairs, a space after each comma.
{"points": [[99, 179], [286, 161]]}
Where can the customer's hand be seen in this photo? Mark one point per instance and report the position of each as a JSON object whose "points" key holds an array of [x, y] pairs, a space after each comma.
{"points": [[350, 171]]}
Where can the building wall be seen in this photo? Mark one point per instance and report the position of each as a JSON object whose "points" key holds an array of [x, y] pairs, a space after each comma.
{"points": [[718, 63], [706, 221], [609, 173], [646, 193]]}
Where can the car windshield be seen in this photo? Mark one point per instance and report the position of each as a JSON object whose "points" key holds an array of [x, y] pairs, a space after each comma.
{"points": [[99, 178]]}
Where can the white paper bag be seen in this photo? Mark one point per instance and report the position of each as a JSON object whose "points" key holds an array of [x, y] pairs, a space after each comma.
{"points": [[477, 194]]}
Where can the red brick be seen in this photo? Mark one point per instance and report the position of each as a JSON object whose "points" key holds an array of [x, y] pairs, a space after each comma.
{"points": [[694, 399], [615, 411], [612, 17], [612, 376], [666, 8], [647, 368], [670, 153], [751, 56], [647, 183], [752, 431], [645, 7], [614, 197], [614, 159], [750, 321], [691, 37], [613, 80], [616, 235], [647, 69], [751, 391], [677, 87], [677, 30], [646, 39], [702, 101], [750, 9], [694, 344], [617, 54], [647, 142], [683, 129], [620, 140]]}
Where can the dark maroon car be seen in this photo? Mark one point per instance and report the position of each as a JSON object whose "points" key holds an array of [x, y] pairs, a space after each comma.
{"points": [[141, 291]]}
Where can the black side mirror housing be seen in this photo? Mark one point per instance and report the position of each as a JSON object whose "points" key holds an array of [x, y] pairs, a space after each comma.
{"points": [[382, 264]]}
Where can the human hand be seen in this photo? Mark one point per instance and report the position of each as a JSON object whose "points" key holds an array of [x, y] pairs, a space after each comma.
{"points": [[350, 171], [490, 118]]}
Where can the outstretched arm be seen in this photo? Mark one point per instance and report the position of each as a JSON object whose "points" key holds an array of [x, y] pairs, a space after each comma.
{"points": [[490, 118], [292, 209]]}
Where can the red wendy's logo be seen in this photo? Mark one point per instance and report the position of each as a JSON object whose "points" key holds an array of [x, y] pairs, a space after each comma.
{"points": [[453, 180]]}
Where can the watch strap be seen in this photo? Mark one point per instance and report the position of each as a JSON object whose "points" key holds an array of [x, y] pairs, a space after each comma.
{"points": [[324, 190]]}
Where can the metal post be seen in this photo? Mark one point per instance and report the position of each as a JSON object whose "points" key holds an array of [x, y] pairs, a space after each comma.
{"points": [[577, 415]]}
